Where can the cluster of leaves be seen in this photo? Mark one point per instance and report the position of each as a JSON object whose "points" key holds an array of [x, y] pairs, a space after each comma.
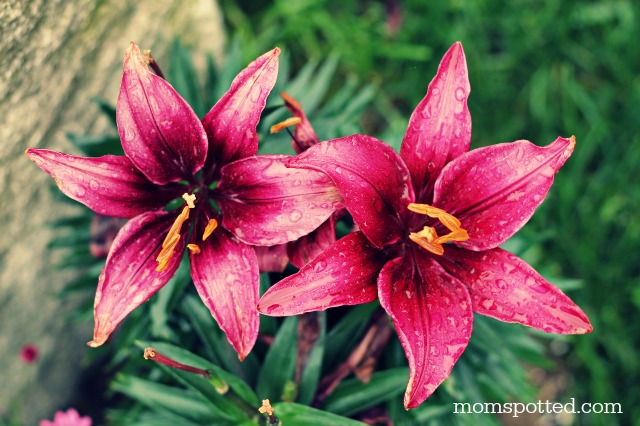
{"points": [[320, 385], [538, 69]]}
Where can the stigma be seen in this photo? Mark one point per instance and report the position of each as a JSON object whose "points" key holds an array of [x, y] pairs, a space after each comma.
{"points": [[428, 238]]}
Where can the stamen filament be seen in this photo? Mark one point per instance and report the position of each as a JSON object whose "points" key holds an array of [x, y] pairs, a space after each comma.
{"points": [[291, 121], [153, 355]]}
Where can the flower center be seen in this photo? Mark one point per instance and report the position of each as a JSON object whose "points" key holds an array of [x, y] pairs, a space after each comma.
{"points": [[427, 238], [173, 236]]}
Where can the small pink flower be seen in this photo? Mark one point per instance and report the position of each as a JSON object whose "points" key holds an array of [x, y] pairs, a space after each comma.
{"points": [[29, 353], [67, 418]]}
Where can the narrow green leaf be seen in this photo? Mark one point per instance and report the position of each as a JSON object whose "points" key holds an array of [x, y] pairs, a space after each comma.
{"points": [[279, 363], [268, 325], [344, 336], [353, 396], [107, 109], [182, 75], [97, 145], [218, 348], [292, 414], [313, 370], [160, 306], [161, 398]]}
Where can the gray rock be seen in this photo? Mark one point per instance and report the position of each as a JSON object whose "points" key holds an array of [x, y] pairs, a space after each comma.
{"points": [[54, 57]]}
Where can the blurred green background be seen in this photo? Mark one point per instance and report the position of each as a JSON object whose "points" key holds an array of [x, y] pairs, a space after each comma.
{"points": [[538, 69]]}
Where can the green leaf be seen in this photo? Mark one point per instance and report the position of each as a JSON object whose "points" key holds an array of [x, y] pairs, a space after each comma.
{"points": [[182, 75], [313, 370], [279, 363], [160, 307], [268, 325], [215, 342], [163, 398], [344, 336], [107, 109], [353, 396], [97, 145], [292, 414]]}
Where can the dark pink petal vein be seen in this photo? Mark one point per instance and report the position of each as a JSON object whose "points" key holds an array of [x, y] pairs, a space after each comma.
{"points": [[494, 190], [432, 315], [263, 202], [226, 276], [371, 177], [159, 131], [109, 185], [129, 277], [505, 287], [344, 274], [231, 123], [440, 127]]}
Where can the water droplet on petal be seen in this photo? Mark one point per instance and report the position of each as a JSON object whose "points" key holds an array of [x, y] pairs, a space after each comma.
{"points": [[295, 215], [320, 266]]}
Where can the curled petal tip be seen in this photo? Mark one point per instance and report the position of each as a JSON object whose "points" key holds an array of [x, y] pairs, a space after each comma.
{"points": [[96, 342], [99, 337], [133, 56]]}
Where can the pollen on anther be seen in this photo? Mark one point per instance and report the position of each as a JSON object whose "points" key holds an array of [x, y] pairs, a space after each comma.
{"points": [[208, 230], [149, 353], [266, 407], [194, 248], [190, 199]]}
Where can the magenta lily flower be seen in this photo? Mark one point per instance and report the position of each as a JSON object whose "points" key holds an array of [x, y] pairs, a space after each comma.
{"points": [[431, 220], [169, 154]]}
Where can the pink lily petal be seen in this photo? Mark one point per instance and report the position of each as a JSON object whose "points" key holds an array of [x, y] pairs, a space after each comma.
{"points": [[226, 276], [504, 287], [231, 123], [494, 190], [306, 248], [109, 185], [263, 202], [304, 135], [371, 177], [129, 277], [272, 258], [440, 126], [159, 131], [344, 274], [432, 314]]}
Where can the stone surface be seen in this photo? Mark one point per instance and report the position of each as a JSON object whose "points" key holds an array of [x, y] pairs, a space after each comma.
{"points": [[54, 57]]}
